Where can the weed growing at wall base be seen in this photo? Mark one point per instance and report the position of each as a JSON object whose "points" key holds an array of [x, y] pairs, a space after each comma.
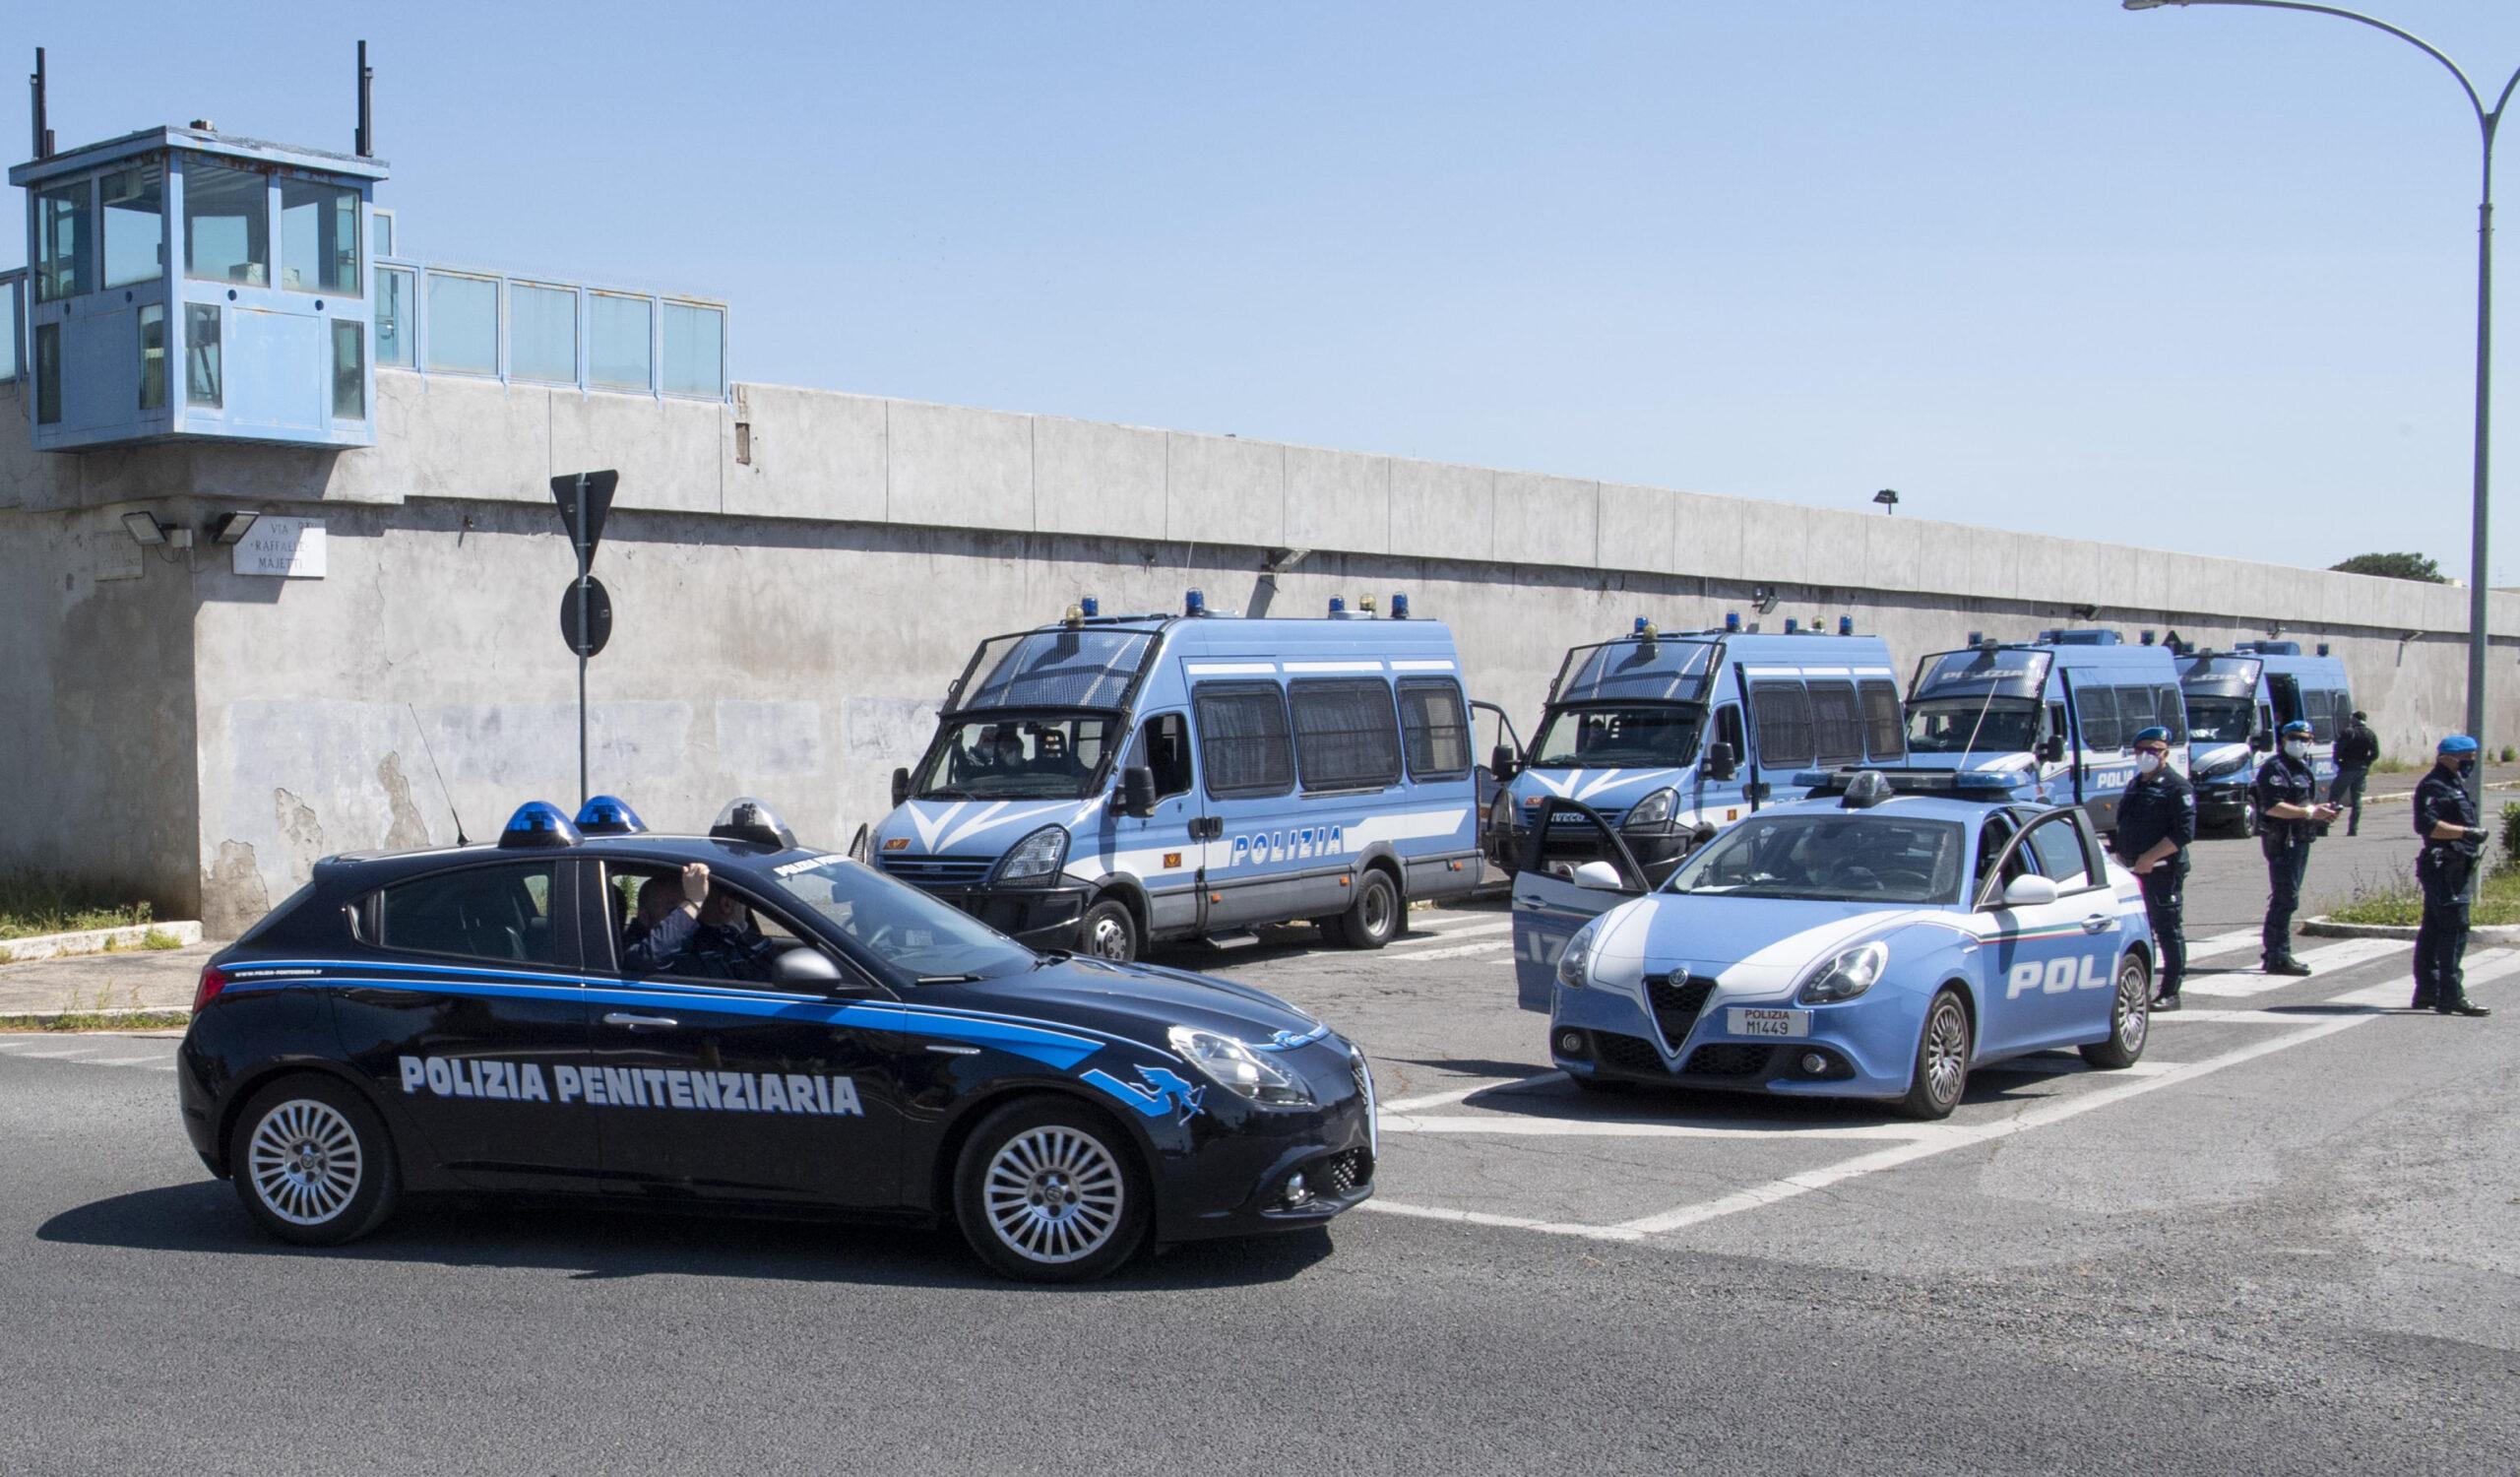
{"points": [[32, 903]]}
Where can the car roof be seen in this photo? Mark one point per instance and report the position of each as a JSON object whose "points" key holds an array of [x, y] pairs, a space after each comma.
{"points": [[1904, 806]]}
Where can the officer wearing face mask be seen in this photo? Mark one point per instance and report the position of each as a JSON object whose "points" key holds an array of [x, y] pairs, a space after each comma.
{"points": [[2156, 825], [2286, 792], [2446, 819]]}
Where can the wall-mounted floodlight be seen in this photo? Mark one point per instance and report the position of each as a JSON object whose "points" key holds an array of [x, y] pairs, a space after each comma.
{"points": [[144, 528], [231, 527], [1763, 599], [1284, 559], [2086, 612], [1889, 501]]}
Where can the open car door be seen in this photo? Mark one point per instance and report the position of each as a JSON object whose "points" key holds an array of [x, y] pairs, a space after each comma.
{"points": [[1594, 873]]}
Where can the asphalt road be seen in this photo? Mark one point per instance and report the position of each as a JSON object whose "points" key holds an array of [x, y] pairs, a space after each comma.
{"points": [[2283, 1243]]}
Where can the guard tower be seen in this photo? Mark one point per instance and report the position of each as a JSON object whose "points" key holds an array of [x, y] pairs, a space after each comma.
{"points": [[189, 285]]}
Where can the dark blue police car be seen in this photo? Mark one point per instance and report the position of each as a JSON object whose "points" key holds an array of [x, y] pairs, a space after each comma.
{"points": [[540, 1016]]}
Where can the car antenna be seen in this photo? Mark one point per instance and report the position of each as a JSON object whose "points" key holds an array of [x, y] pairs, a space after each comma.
{"points": [[446, 794]]}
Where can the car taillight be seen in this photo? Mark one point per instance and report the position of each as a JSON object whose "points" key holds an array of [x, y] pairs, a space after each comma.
{"points": [[211, 983]]}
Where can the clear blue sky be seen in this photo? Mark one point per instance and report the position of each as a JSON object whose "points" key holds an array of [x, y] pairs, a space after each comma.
{"points": [[2198, 279]]}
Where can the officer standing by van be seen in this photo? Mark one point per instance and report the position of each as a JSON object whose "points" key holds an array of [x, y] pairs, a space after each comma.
{"points": [[2156, 825], [2286, 792], [2453, 842], [2358, 748]]}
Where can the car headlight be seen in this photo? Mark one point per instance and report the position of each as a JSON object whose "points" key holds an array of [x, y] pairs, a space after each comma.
{"points": [[1654, 812], [1574, 963], [1240, 1070], [1845, 976], [1036, 857]]}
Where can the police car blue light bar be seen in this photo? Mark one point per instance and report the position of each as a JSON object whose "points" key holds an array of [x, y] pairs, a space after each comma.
{"points": [[539, 823], [609, 815]]}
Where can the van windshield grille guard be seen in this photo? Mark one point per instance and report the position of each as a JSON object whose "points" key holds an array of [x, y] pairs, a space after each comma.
{"points": [[1982, 672], [1656, 668], [1062, 667]]}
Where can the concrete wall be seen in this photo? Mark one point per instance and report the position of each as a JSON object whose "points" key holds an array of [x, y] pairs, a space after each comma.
{"points": [[785, 623]]}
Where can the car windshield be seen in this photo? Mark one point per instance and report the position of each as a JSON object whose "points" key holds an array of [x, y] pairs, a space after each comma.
{"points": [[930, 941], [1016, 757], [2005, 726], [1602, 734], [1834, 856], [2219, 720]]}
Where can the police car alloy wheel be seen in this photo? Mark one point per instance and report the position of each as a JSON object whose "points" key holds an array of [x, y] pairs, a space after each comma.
{"points": [[1373, 918], [1050, 1193], [1942, 1059], [312, 1163], [1109, 932], [2131, 1018]]}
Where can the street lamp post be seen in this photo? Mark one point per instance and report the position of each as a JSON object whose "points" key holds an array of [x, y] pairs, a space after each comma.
{"points": [[2489, 119]]}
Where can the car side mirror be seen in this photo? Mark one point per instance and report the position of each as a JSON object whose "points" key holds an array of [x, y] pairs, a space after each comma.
{"points": [[1501, 761], [900, 787], [807, 968], [1137, 790], [2051, 749], [2029, 890], [2262, 741], [1599, 876], [1720, 761]]}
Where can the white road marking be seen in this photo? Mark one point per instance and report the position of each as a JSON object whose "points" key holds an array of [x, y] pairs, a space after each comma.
{"points": [[1444, 1099], [1463, 952], [2224, 944], [1509, 1222], [2334, 956], [1444, 935], [42, 1056], [125, 1060], [1564, 1127]]}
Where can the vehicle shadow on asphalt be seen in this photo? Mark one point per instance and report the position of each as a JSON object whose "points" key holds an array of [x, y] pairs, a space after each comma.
{"points": [[2016, 1079], [606, 1243]]}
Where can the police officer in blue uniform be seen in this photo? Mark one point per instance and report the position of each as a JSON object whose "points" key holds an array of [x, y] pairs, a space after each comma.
{"points": [[2286, 794], [2156, 825], [2446, 819]]}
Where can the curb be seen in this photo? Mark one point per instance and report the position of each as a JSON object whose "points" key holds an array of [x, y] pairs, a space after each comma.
{"points": [[95, 942], [2500, 936]]}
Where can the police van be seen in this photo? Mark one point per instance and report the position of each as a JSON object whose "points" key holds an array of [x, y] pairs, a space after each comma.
{"points": [[2045, 722], [1671, 738], [2237, 700], [1111, 781]]}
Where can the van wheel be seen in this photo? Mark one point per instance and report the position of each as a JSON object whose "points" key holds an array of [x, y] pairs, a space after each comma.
{"points": [[1373, 918], [1109, 932], [312, 1162]]}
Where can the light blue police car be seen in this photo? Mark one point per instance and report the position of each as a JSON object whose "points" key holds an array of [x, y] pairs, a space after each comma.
{"points": [[1870, 941]]}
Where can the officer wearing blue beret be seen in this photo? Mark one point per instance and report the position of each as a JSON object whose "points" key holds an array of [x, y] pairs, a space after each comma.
{"points": [[2286, 794], [2156, 825], [2446, 819]]}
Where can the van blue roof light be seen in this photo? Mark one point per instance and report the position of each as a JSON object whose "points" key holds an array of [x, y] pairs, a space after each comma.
{"points": [[1846, 626], [609, 815], [1793, 626], [539, 823], [1733, 621], [2147, 638], [1196, 604], [1400, 605], [1641, 625], [1338, 605], [2322, 648], [1976, 638], [1091, 606]]}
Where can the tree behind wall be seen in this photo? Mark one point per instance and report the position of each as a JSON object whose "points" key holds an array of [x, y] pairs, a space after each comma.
{"points": [[2396, 566]]}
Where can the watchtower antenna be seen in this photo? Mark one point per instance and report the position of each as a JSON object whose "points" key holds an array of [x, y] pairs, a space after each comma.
{"points": [[42, 128], [364, 140]]}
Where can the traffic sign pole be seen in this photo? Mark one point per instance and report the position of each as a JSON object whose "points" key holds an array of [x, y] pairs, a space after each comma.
{"points": [[583, 500], [583, 561]]}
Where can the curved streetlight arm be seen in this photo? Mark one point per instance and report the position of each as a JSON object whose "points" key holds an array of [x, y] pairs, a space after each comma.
{"points": [[2485, 118]]}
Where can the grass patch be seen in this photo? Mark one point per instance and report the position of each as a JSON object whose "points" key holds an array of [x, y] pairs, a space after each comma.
{"points": [[2398, 767], [159, 939], [32, 903], [2398, 901], [142, 1020]]}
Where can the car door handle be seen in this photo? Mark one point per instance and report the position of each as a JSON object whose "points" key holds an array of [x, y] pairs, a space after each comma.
{"points": [[639, 1023], [2098, 923]]}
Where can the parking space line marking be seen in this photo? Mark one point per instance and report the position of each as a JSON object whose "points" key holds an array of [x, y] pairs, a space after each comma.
{"points": [[1954, 1138], [1445, 935], [1460, 951], [1563, 1128], [122, 1060], [1455, 921], [1509, 1222], [1491, 1084], [42, 1055], [2344, 955]]}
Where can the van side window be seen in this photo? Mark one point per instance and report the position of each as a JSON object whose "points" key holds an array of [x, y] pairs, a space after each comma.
{"points": [[2134, 713], [2286, 691], [2057, 724], [2097, 709], [1347, 733], [2342, 713], [1885, 727], [2170, 709], [1784, 715], [1164, 747], [499, 913], [1242, 739], [1434, 728], [2322, 706], [1834, 731]]}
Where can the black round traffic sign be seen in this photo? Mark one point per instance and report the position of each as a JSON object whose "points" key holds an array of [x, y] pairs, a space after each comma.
{"points": [[588, 639]]}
